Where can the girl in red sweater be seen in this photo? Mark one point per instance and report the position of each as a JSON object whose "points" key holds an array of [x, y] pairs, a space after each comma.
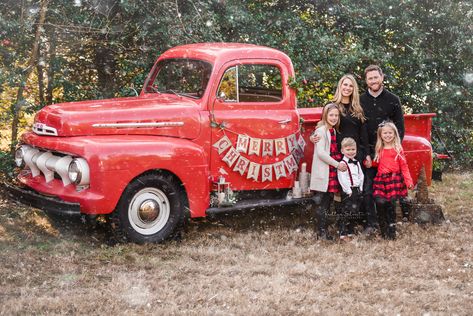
{"points": [[393, 177]]}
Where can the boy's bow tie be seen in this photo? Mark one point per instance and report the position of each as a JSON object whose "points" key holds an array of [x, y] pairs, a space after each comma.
{"points": [[352, 161]]}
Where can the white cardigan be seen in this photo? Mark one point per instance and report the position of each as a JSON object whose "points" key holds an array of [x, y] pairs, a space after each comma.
{"points": [[321, 161]]}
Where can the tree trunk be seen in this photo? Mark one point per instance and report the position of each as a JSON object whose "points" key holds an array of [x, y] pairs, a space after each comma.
{"points": [[106, 65], [52, 68], [422, 190], [17, 106], [40, 69]]}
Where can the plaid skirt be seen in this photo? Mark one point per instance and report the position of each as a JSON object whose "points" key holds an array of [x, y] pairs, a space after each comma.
{"points": [[389, 186]]}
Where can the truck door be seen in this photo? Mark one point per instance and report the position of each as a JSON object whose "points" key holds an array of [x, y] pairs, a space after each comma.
{"points": [[255, 126]]}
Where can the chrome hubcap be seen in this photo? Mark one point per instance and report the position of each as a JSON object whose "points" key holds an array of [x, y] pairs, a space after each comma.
{"points": [[149, 211]]}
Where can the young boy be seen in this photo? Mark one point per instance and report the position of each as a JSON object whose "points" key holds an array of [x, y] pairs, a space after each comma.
{"points": [[351, 182]]}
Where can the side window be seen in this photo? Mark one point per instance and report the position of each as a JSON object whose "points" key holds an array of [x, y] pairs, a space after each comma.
{"points": [[228, 86], [251, 83]]}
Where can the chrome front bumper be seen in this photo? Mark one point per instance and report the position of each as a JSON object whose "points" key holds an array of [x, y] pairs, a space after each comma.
{"points": [[46, 203]]}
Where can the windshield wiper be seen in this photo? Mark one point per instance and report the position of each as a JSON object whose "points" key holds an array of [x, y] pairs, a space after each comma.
{"points": [[182, 94], [155, 89]]}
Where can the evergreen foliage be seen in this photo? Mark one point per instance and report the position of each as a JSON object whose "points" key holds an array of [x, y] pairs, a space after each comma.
{"points": [[104, 48]]}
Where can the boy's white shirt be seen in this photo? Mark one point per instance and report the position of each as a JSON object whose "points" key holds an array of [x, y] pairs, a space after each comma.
{"points": [[356, 173]]}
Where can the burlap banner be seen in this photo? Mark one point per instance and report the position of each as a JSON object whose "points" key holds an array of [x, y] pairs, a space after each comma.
{"points": [[291, 146]]}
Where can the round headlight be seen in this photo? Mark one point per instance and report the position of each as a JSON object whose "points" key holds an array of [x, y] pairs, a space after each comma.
{"points": [[75, 172], [78, 172], [19, 157]]}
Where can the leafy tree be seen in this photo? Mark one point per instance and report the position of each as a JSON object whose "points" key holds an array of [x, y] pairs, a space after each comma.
{"points": [[104, 48]]}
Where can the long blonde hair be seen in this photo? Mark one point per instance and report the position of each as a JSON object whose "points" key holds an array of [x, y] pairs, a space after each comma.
{"points": [[355, 108], [324, 121], [380, 144]]}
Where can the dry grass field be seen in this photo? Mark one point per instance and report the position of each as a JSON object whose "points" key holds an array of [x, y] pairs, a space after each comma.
{"points": [[267, 263]]}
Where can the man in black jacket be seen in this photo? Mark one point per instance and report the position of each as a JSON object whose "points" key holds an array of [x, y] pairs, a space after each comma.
{"points": [[379, 105]]}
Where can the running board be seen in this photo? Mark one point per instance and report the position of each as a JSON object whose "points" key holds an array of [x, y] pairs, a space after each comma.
{"points": [[246, 205]]}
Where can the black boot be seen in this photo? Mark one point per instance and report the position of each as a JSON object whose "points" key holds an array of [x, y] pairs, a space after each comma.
{"points": [[350, 229], [382, 218], [391, 220], [405, 209], [341, 223], [391, 234], [323, 235]]}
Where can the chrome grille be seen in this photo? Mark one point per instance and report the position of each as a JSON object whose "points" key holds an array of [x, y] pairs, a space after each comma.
{"points": [[50, 164]]}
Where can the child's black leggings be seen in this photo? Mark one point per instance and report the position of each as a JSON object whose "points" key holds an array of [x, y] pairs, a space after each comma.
{"points": [[387, 218], [322, 202]]}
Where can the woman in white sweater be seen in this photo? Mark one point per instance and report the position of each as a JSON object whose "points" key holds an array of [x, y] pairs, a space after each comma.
{"points": [[324, 167]]}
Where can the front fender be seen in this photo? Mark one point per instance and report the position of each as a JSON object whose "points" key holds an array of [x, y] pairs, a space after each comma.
{"points": [[116, 160], [183, 158]]}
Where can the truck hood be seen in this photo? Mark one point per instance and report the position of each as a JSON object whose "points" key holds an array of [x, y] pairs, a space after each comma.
{"points": [[165, 115]]}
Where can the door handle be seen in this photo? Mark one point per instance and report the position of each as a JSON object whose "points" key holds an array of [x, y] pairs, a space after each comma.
{"points": [[285, 121]]}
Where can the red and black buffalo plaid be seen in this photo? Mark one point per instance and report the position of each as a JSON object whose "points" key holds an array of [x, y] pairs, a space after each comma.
{"points": [[389, 186], [333, 185]]}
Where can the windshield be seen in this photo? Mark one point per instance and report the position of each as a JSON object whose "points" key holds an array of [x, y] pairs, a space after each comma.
{"points": [[184, 77]]}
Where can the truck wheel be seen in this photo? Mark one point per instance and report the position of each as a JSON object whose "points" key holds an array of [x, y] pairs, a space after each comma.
{"points": [[152, 209]]}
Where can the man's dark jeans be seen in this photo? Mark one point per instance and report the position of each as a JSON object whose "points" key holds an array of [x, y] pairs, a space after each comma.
{"points": [[369, 205]]}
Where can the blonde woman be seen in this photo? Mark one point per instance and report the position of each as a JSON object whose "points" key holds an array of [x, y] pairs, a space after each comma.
{"points": [[352, 117]]}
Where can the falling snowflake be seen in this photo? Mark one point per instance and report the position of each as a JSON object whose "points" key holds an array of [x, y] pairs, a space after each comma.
{"points": [[33, 10], [468, 78]]}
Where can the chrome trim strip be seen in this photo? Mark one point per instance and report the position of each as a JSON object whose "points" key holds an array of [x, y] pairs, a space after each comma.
{"points": [[133, 125]]}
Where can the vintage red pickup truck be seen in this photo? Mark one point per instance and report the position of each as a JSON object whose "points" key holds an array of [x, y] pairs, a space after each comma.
{"points": [[215, 128]]}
